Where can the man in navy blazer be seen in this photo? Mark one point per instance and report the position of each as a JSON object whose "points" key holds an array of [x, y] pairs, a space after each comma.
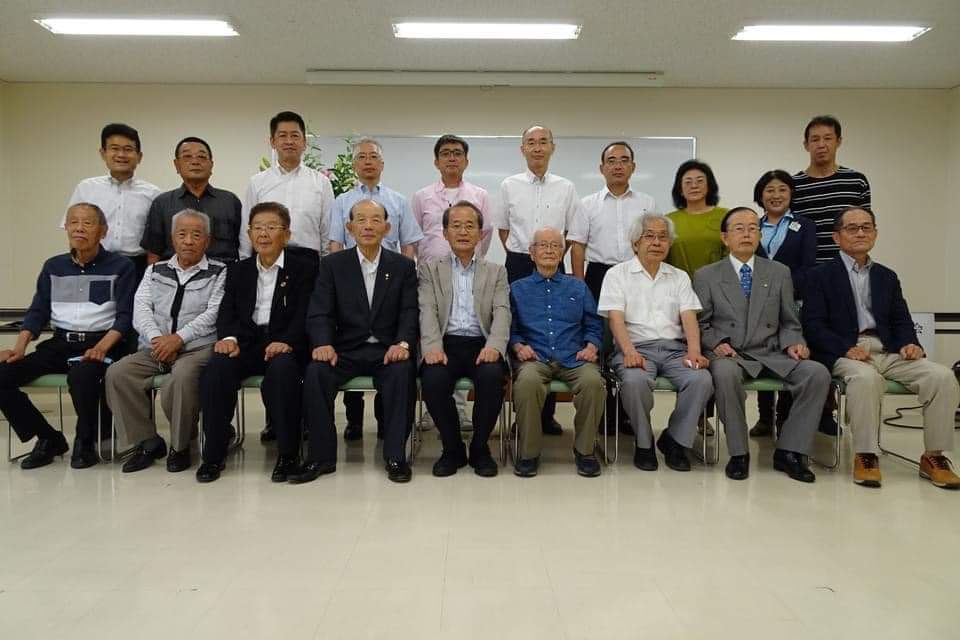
{"points": [[858, 325], [363, 321], [260, 331]]}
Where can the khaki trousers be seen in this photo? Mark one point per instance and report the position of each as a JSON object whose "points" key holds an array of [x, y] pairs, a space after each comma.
{"points": [[530, 392], [934, 384], [128, 385]]}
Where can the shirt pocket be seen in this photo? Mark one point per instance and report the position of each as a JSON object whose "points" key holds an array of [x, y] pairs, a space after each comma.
{"points": [[101, 291], [570, 308]]}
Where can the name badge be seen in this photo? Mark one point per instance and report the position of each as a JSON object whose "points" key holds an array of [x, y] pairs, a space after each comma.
{"points": [[794, 226]]}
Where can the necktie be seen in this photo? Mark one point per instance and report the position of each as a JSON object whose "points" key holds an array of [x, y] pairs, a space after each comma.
{"points": [[746, 280]]}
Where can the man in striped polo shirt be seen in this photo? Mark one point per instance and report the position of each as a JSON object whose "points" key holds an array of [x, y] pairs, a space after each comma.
{"points": [[86, 295], [825, 188]]}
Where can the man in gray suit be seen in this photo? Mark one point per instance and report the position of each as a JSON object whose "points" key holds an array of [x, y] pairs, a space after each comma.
{"points": [[464, 328], [750, 324]]}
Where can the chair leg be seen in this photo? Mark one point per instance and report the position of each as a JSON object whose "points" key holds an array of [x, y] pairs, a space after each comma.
{"points": [[889, 452], [841, 411]]}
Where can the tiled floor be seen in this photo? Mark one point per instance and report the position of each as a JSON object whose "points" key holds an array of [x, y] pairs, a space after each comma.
{"points": [[101, 554]]}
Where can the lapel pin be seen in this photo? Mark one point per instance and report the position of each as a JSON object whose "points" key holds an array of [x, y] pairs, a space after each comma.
{"points": [[386, 276]]}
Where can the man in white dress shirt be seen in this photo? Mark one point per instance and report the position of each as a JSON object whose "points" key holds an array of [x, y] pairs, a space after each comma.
{"points": [[653, 317], [305, 192], [124, 199], [527, 202]]}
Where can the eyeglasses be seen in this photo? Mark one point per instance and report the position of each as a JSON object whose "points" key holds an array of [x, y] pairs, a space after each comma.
{"points": [[612, 162], [659, 237], [553, 246], [269, 228], [744, 228], [853, 229], [451, 153], [363, 157]]}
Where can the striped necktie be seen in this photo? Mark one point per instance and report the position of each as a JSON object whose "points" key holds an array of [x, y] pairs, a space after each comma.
{"points": [[746, 280]]}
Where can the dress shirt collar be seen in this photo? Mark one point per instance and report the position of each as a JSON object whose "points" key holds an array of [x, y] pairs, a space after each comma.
{"points": [[851, 264], [532, 177], [284, 172], [439, 187], [363, 259], [278, 264], [786, 216], [637, 267], [128, 182], [539, 277], [96, 258], [608, 194], [182, 191], [175, 263], [737, 264], [362, 188], [459, 265]]}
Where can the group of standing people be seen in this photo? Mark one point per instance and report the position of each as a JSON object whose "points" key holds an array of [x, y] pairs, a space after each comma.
{"points": [[310, 290]]}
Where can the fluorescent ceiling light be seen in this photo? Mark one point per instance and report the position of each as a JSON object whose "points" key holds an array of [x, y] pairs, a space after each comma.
{"points": [[486, 30], [375, 77], [829, 33], [135, 27]]}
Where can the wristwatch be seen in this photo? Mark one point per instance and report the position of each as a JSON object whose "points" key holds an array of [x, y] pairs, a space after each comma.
{"points": [[403, 344]]}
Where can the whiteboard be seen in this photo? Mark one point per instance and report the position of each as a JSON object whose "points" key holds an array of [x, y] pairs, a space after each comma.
{"points": [[408, 164]]}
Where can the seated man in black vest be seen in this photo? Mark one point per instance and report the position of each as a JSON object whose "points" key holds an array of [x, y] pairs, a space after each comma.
{"points": [[260, 330], [362, 321]]}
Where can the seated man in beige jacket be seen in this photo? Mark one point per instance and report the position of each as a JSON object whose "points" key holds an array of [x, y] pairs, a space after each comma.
{"points": [[464, 328]]}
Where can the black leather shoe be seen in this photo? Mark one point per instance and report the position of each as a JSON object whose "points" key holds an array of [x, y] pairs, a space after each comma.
{"points": [[449, 464], [285, 467], [143, 458], [353, 433], [310, 472], [398, 471], [178, 460], [526, 468], [587, 465], [209, 471], [674, 453], [84, 455], [761, 430], [45, 451], [268, 434], [738, 468], [552, 428], [828, 425], [793, 465], [483, 464], [645, 459]]}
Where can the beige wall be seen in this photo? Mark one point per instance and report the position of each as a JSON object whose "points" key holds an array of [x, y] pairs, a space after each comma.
{"points": [[49, 142]]}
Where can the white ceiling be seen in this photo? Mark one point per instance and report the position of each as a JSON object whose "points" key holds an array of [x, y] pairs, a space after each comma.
{"points": [[689, 40]]}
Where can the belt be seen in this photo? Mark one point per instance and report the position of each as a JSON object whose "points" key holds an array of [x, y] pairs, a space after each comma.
{"points": [[78, 336]]}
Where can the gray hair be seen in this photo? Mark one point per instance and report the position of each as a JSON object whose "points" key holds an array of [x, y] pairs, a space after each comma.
{"points": [[640, 225], [541, 230], [365, 140], [523, 134], [190, 213], [101, 217]]}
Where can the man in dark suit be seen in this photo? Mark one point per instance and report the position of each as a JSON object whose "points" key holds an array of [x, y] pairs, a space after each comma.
{"points": [[261, 332], [859, 326], [362, 321], [749, 327]]}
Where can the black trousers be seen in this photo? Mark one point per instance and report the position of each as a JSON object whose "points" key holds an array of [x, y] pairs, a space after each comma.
{"points": [[84, 379], [438, 382], [520, 265], [765, 405], [281, 391], [594, 277], [395, 381]]}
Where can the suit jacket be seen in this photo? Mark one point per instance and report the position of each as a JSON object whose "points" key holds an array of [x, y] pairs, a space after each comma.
{"points": [[287, 313], [798, 251], [759, 329], [340, 315], [830, 312], [491, 302]]}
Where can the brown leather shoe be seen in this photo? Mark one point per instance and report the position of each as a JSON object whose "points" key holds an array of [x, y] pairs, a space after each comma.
{"points": [[937, 470], [866, 470]]}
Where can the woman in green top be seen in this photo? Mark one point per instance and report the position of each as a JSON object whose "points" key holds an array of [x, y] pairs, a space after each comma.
{"points": [[697, 219]]}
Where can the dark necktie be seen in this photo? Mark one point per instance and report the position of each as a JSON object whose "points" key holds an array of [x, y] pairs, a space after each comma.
{"points": [[746, 280]]}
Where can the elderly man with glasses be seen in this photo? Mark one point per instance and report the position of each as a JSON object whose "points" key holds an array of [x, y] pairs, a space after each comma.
{"points": [[750, 326]]}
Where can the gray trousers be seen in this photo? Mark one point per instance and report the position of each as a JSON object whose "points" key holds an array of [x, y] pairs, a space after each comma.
{"points": [[530, 392], [809, 382], [694, 388], [128, 385], [934, 384]]}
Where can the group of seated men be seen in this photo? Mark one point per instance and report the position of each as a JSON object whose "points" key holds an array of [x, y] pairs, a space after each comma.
{"points": [[308, 328]]}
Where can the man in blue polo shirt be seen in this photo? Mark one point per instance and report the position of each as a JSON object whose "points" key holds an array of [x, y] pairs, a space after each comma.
{"points": [[556, 334], [86, 295]]}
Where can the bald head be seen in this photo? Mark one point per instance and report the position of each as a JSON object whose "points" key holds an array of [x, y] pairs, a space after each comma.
{"points": [[536, 145]]}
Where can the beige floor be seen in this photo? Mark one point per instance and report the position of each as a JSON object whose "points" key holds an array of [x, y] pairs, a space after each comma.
{"points": [[100, 554]]}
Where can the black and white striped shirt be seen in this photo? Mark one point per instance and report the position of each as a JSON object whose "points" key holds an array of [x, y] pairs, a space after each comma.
{"points": [[820, 199]]}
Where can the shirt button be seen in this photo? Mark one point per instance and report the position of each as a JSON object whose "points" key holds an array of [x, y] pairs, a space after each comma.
{"points": [[549, 307]]}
